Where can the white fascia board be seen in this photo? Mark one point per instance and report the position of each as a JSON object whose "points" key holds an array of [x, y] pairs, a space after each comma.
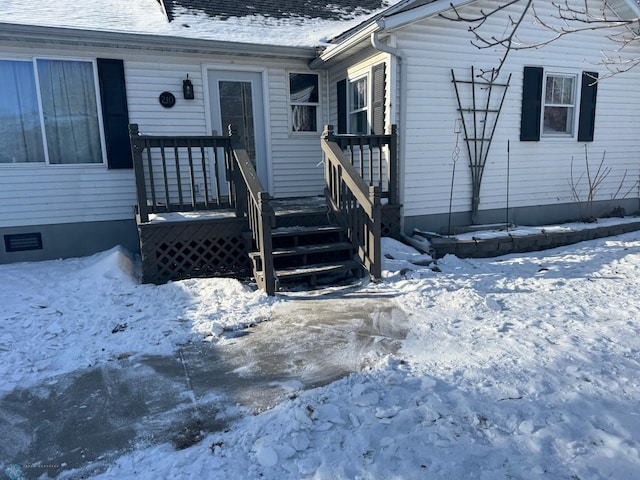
{"points": [[429, 10], [30, 34], [361, 36]]}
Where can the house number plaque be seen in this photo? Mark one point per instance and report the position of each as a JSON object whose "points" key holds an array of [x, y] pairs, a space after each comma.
{"points": [[167, 99]]}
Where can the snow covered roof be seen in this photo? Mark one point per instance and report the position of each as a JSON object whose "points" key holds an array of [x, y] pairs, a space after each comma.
{"points": [[336, 10], [288, 23]]}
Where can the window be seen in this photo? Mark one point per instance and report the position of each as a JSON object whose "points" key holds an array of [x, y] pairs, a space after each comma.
{"points": [[304, 100], [559, 104], [361, 102], [20, 130], [549, 103], [58, 126], [358, 106]]}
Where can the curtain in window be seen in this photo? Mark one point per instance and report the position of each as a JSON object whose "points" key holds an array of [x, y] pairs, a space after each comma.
{"points": [[20, 132], [303, 94], [304, 118], [70, 111]]}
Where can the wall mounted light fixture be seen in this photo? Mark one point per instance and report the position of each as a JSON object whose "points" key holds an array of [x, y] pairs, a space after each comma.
{"points": [[187, 89]]}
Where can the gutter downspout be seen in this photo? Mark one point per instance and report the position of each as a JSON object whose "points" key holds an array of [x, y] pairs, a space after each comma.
{"points": [[397, 79]]}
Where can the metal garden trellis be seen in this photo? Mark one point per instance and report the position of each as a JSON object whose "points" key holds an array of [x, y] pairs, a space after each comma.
{"points": [[479, 139]]}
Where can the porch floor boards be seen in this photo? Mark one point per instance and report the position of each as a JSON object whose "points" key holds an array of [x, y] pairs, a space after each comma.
{"points": [[283, 207]]}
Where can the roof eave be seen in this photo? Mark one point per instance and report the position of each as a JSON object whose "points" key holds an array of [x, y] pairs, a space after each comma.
{"points": [[407, 17], [20, 33], [332, 54], [385, 23]]}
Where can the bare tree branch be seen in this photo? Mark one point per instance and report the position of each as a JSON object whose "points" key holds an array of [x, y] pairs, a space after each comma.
{"points": [[508, 42], [567, 19]]}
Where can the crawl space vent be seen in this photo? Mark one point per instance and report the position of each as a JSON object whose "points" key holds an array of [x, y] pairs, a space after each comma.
{"points": [[21, 242]]}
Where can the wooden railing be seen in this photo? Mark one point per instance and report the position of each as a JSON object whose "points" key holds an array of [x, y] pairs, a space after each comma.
{"points": [[375, 158], [183, 174], [359, 172], [251, 200], [179, 173]]}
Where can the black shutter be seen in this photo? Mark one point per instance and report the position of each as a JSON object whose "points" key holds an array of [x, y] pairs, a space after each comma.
{"points": [[341, 95], [377, 94], [115, 113], [588, 95], [531, 104]]}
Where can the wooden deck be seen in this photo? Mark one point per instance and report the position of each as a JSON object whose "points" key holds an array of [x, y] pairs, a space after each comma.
{"points": [[196, 222], [176, 246]]}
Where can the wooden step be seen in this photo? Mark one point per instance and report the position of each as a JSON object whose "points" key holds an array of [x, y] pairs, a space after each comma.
{"points": [[300, 231], [317, 269], [307, 211], [310, 249], [306, 249]]}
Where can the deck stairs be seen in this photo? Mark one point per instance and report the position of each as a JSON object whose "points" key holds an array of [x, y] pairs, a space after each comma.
{"points": [[309, 247]]}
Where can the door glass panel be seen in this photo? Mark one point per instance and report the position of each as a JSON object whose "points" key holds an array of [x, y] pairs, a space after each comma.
{"points": [[236, 108]]}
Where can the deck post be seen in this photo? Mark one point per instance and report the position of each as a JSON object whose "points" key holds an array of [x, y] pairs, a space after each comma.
{"points": [[137, 146], [393, 166], [328, 133], [375, 233], [327, 136], [266, 242]]}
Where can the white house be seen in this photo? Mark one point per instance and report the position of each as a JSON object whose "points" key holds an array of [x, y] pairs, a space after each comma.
{"points": [[72, 79], [422, 50]]}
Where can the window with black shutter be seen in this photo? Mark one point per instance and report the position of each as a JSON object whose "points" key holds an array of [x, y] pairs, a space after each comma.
{"points": [[550, 103]]}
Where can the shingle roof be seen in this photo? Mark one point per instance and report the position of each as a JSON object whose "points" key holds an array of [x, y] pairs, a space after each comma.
{"points": [[287, 23], [278, 9]]}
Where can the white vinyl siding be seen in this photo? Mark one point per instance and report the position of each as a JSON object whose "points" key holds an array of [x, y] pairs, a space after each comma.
{"points": [[296, 159], [41, 196], [35, 195], [293, 157], [539, 171]]}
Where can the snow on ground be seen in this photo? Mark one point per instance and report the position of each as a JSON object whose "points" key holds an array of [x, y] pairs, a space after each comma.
{"points": [[58, 316], [524, 366]]}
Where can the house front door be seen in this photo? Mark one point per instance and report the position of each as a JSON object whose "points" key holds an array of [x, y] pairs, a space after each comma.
{"points": [[236, 99]]}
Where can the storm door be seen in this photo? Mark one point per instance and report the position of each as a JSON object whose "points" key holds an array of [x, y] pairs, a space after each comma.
{"points": [[236, 99]]}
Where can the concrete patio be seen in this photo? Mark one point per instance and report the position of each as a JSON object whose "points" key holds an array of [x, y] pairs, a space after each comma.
{"points": [[74, 425]]}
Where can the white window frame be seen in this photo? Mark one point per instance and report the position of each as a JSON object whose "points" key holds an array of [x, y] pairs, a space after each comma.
{"points": [[367, 108], [575, 105], [293, 103], [96, 85]]}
